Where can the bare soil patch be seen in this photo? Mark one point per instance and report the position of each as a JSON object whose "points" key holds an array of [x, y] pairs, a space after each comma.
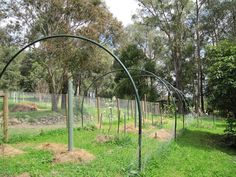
{"points": [[23, 175], [131, 129], [104, 138], [162, 135], [61, 155], [7, 150], [25, 107]]}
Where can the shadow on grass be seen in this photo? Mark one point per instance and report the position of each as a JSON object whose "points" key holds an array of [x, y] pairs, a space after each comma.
{"points": [[204, 140]]}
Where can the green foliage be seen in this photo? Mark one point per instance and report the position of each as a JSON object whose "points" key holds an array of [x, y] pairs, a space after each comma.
{"points": [[222, 77], [133, 57], [230, 132], [193, 153], [11, 79], [49, 64]]}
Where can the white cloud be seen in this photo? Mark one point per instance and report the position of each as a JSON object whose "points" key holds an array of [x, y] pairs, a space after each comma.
{"points": [[122, 9]]}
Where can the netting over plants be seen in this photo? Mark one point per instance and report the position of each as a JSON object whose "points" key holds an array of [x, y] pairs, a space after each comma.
{"points": [[108, 135]]}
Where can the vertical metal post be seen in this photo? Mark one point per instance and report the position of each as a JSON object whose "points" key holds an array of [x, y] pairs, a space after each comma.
{"points": [[5, 117], [128, 109], [98, 109], [70, 115], [175, 133], [145, 107], [152, 113], [132, 111], [183, 114], [124, 123], [66, 111], [135, 113], [143, 110]]}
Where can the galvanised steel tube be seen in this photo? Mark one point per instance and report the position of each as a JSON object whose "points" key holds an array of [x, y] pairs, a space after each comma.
{"points": [[110, 53], [151, 74], [70, 115]]}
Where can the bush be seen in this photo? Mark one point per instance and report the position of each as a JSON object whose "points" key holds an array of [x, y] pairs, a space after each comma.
{"points": [[230, 132]]}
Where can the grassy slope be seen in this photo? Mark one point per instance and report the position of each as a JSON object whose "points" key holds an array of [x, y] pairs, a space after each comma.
{"points": [[197, 153]]}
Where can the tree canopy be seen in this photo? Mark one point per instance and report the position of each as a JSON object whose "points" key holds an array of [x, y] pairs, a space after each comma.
{"points": [[221, 72]]}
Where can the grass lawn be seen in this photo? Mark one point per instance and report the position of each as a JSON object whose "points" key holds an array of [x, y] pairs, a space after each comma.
{"points": [[114, 158], [198, 151]]}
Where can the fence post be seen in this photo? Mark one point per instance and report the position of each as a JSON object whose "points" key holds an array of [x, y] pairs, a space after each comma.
{"points": [[98, 107], [143, 110], [70, 115], [132, 110], [135, 112], [118, 106], [110, 120], [5, 117], [118, 128], [183, 114], [100, 121], [124, 123], [128, 109], [161, 113], [66, 111], [145, 106]]}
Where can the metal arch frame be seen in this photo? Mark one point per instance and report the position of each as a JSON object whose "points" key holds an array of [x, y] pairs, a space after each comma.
{"points": [[177, 91], [114, 57], [179, 94]]}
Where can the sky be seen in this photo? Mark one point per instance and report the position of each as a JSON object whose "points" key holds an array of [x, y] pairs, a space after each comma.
{"points": [[122, 9]]}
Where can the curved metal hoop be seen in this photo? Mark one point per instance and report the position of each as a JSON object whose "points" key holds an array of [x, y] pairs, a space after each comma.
{"points": [[168, 86], [116, 59]]}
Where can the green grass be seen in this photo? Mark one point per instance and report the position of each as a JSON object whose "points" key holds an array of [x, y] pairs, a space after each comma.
{"points": [[114, 158], [198, 152]]}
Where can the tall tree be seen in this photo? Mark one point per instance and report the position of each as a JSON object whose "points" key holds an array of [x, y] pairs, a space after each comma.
{"points": [[170, 17], [222, 77], [43, 18], [200, 96]]}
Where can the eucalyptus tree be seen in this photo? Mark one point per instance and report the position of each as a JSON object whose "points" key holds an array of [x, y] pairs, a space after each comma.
{"points": [[172, 19], [59, 57]]}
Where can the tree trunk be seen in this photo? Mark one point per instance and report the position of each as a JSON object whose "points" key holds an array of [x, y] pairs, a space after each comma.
{"points": [[63, 96], [178, 68], [54, 99], [201, 91], [200, 101]]}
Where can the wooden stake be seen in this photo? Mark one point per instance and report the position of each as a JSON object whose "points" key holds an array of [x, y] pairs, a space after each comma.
{"points": [[100, 121], [132, 109], [145, 106], [155, 135], [143, 112], [118, 128], [118, 106]]}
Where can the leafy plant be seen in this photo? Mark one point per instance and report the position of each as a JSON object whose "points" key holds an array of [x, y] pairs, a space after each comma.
{"points": [[230, 132]]}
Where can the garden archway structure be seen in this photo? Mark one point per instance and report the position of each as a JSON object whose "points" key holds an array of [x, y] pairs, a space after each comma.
{"points": [[167, 85], [113, 56]]}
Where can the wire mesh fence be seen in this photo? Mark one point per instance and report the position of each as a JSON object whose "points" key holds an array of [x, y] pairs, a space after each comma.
{"points": [[104, 138]]}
